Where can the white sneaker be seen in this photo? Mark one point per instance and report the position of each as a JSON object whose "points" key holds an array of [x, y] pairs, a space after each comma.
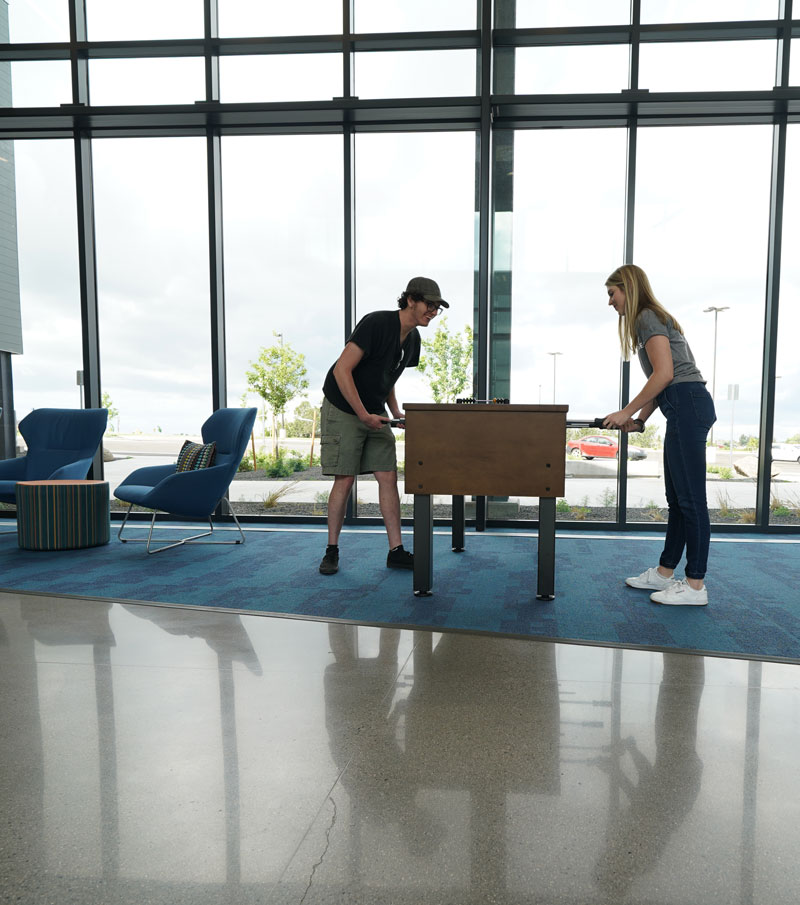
{"points": [[652, 579], [681, 593]]}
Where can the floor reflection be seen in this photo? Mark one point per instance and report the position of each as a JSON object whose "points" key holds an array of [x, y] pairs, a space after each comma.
{"points": [[663, 792], [496, 704], [289, 761]]}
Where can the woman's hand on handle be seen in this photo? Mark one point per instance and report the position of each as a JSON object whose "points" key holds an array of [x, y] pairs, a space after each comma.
{"points": [[620, 421]]}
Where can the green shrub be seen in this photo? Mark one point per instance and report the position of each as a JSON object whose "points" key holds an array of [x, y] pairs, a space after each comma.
{"points": [[609, 498]]}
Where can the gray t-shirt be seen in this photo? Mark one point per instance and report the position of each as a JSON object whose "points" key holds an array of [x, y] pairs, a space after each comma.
{"points": [[684, 369]]}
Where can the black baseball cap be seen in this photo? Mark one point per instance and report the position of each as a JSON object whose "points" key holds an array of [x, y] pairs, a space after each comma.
{"points": [[428, 289]]}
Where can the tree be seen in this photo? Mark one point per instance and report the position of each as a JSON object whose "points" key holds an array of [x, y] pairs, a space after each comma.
{"points": [[277, 376], [650, 439], [113, 413], [446, 362], [305, 416]]}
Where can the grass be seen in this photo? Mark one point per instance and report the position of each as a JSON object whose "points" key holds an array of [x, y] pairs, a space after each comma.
{"points": [[724, 503], [272, 499], [723, 471]]}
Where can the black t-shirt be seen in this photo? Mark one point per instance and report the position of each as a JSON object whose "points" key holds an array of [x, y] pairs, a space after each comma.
{"points": [[378, 335]]}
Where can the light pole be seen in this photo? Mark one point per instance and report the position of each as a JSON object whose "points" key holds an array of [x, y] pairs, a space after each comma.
{"points": [[716, 311], [283, 416], [554, 354]]}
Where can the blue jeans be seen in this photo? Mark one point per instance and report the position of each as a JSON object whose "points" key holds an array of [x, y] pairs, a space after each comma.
{"points": [[689, 410]]}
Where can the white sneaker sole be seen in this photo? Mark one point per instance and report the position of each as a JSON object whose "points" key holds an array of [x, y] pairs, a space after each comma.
{"points": [[679, 602], [644, 586]]}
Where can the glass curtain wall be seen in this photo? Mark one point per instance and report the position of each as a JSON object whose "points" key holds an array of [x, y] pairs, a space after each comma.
{"points": [[562, 238], [415, 216], [702, 217], [46, 373], [276, 89], [284, 296], [785, 469], [153, 297]]}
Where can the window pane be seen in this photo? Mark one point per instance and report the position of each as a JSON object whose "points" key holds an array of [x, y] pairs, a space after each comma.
{"points": [[280, 77], [702, 198], [560, 14], [414, 15], [146, 81], [45, 374], [39, 83], [146, 20], [284, 276], [553, 250], [34, 23], [243, 18], [559, 70], [708, 66], [707, 10], [786, 434], [152, 276], [414, 219], [415, 73], [794, 63]]}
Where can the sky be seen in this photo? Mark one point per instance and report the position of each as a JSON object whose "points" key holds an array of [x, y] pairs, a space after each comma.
{"points": [[701, 218]]}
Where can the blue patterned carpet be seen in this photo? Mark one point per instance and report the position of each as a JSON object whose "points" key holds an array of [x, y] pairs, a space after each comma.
{"points": [[754, 587]]}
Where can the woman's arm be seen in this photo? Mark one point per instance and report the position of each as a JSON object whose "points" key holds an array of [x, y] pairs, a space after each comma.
{"points": [[660, 356]]}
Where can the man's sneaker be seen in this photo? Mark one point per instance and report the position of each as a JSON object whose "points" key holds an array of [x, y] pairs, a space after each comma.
{"points": [[330, 561], [400, 558], [681, 593], [652, 580]]}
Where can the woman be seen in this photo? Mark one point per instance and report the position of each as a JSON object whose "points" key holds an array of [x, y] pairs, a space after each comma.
{"points": [[676, 386]]}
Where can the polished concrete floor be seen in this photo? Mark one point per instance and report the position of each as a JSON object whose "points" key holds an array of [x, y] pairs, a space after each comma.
{"points": [[165, 755]]}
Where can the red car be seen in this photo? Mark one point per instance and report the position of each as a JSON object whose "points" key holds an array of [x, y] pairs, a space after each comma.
{"points": [[601, 447]]}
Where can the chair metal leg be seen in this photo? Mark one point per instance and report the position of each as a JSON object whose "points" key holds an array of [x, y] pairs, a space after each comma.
{"points": [[194, 539]]}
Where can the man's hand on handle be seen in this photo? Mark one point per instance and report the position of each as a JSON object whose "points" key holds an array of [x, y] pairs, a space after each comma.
{"points": [[374, 422]]}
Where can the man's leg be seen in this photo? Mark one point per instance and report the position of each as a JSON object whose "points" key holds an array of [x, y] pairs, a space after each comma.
{"points": [[389, 500], [337, 505]]}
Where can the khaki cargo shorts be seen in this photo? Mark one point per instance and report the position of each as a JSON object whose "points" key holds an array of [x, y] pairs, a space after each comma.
{"points": [[350, 448]]}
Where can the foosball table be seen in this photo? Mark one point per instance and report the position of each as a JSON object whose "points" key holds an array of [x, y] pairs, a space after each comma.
{"points": [[485, 449]]}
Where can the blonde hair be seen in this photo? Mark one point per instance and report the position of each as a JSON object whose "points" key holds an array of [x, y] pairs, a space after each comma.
{"points": [[638, 297]]}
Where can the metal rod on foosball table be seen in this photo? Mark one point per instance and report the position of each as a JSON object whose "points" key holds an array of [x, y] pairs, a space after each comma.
{"points": [[586, 422], [423, 544], [546, 566], [458, 524]]}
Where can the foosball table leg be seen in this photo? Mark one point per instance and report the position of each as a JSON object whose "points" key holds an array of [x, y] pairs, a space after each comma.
{"points": [[546, 566], [458, 524], [423, 545]]}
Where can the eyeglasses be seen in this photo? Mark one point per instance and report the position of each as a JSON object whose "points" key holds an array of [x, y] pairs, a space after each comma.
{"points": [[433, 307]]}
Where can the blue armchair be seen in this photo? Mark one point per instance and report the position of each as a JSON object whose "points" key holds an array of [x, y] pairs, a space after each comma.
{"points": [[61, 445], [195, 493]]}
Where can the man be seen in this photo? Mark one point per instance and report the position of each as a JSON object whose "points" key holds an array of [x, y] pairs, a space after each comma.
{"points": [[355, 434]]}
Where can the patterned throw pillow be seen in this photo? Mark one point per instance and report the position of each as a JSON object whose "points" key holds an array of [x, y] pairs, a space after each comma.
{"points": [[196, 455]]}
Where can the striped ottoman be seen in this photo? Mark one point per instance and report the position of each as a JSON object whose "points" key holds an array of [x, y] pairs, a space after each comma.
{"points": [[62, 515]]}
